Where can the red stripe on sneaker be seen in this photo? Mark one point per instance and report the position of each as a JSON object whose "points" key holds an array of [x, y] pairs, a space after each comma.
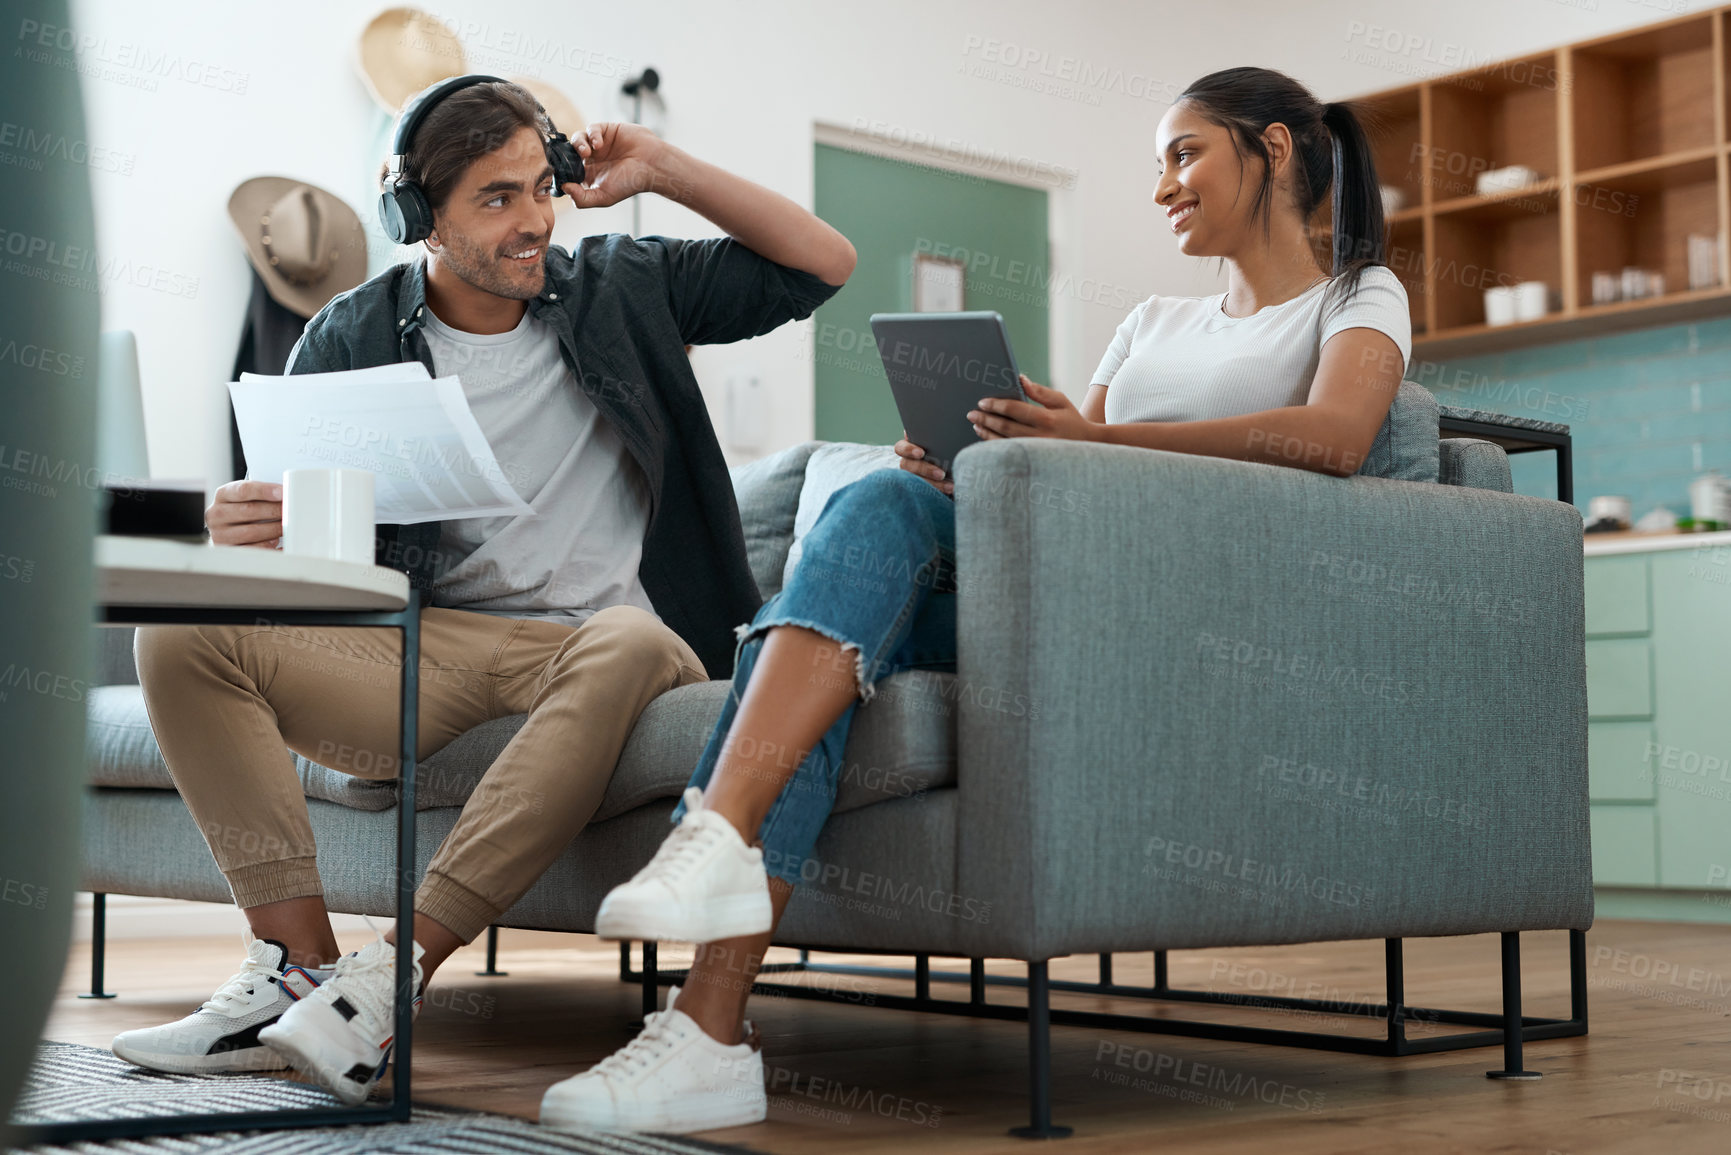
{"points": [[303, 973]]}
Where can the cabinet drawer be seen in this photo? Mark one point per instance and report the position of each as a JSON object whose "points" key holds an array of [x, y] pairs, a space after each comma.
{"points": [[1620, 767], [1616, 594], [1624, 846], [1619, 678]]}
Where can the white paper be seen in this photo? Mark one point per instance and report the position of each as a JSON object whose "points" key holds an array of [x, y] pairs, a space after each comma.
{"points": [[429, 459]]}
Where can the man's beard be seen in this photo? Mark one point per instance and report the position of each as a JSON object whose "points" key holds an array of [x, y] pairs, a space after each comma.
{"points": [[484, 268]]}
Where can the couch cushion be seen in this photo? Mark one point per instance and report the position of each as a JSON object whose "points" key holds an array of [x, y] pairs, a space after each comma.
{"points": [[1406, 446], [768, 494], [1474, 463], [123, 753], [901, 745], [831, 466], [122, 748]]}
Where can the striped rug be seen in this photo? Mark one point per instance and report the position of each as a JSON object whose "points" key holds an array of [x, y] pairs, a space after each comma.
{"points": [[75, 1083]]}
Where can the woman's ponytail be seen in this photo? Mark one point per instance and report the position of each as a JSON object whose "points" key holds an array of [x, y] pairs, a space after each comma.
{"points": [[1359, 228]]}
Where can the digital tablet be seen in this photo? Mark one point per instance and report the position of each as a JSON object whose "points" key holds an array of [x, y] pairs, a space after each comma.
{"points": [[940, 365]]}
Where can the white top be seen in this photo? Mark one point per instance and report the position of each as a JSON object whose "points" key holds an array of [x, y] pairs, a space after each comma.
{"points": [[581, 552], [1184, 359]]}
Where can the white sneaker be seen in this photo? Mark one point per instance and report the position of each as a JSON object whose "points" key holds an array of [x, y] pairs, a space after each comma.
{"points": [[704, 884], [672, 1078], [223, 1034], [341, 1034]]}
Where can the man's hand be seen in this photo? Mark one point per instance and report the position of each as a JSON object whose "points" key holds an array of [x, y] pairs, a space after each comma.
{"points": [[619, 161], [1052, 415], [622, 160], [912, 460], [246, 513]]}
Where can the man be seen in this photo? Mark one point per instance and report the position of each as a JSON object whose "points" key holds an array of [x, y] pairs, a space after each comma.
{"points": [[628, 583]]}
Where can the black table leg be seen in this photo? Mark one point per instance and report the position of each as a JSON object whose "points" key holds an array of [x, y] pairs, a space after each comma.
{"points": [[407, 729]]}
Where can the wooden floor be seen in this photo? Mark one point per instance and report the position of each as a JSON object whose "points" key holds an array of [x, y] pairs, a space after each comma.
{"points": [[1653, 1076]]}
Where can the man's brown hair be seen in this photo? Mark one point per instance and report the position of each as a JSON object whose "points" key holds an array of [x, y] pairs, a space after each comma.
{"points": [[465, 126]]}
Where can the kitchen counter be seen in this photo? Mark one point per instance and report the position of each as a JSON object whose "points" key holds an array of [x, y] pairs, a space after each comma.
{"points": [[1601, 544]]}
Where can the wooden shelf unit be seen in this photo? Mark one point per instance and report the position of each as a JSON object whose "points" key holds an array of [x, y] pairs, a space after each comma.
{"points": [[1629, 135]]}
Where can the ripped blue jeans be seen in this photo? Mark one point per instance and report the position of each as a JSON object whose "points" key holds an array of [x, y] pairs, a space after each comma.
{"points": [[876, 575]]}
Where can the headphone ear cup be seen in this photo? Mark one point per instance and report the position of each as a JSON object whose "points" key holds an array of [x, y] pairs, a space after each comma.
{"points": [[404, 215], [567, 164]]}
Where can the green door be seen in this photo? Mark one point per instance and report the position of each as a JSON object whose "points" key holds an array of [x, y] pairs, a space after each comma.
{"points": [[891, 210]]}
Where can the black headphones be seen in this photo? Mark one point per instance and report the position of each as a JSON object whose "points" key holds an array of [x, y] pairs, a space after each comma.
{"points": [[403, 209]]}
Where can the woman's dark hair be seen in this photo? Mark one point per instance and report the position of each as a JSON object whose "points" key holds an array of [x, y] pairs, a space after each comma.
{"points": [[1330, 150], [465, 126]]}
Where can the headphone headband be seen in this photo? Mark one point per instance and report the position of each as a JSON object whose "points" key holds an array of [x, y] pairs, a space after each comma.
{"points": [[417, 109]]}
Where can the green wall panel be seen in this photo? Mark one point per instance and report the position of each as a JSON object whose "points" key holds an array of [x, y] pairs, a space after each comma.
{"points": [[890, 209]]}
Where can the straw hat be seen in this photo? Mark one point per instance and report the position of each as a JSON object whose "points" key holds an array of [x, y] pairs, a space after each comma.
{"points": [[560, 110], [306, 244], [402, 51]]}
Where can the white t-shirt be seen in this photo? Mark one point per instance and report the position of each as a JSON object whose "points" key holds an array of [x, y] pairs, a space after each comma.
{"points": [[1184, 359], [581, 552]]}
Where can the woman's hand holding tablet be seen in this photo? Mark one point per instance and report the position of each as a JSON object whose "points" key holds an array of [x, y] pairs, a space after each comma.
{"points": [[1047, 413], [912, 459]]}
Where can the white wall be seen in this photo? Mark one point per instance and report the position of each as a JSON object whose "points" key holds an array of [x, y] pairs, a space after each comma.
{"points": [[196, 96]]}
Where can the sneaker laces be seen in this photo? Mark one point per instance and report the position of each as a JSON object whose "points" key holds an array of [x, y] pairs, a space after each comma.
{"points": [[372, 989], [244, 981], [655, 1040], [688, 844]]}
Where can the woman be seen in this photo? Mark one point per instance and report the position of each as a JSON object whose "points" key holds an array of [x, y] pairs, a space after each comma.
{"points": [[1292, 365]]}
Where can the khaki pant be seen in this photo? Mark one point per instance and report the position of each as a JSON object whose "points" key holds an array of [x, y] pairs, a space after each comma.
{"points": [[225, 701]]}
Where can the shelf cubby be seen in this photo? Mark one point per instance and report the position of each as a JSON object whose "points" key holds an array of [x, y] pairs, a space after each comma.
{"points": [[1643, 217], [1490, 119], [1484, 242], [1644, 94]]}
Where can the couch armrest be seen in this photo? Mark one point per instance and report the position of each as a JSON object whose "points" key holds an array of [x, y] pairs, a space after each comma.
{"points": [[1208, 703]]}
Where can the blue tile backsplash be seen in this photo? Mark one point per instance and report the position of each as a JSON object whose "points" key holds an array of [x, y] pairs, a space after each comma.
{"points": [[1649, 410]]}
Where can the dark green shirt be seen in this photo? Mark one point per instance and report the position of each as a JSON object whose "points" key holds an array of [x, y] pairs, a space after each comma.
{"points": [[624, 310]]}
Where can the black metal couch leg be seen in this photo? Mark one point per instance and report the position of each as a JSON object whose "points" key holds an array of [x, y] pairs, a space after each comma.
{"points": [[651, 975], [98, 945], [1512, 1068], [493, 970], [1039, 1060]]}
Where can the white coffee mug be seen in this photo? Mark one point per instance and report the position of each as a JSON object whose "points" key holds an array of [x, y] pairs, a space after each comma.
{"points": [[1499, 305], [1531, 298], [328, 513]]}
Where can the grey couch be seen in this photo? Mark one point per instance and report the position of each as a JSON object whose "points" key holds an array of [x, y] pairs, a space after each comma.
{"points": [[1199, 703]]}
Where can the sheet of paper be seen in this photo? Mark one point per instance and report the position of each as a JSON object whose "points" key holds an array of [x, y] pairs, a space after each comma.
{"points": [[397, 371], [429, 459]]}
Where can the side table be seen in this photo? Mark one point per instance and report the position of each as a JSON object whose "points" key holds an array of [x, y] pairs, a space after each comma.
{"points": [[1516, 435], [152, 581]]}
